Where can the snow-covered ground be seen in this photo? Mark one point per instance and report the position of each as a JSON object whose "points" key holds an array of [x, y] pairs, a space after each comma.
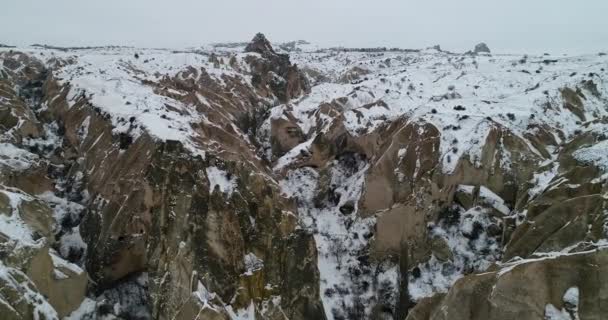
{"points": [[463, 96]]}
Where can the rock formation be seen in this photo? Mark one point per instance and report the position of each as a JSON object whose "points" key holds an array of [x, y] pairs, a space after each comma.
{"points": [[236, 182], [274, 72], [481, 48]]}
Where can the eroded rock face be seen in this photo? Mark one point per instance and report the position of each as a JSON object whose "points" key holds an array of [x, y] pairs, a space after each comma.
{"points": [[218, 184], [37, 282], [30, 268], [273, 73], [489, 296], [259, 44], [447, 197], [159, 223], [217, 229], [285, 134]]}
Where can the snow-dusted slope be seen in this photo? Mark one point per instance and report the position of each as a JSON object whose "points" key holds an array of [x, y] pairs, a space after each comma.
{"points": [[466, 97], [395, 174], [459, 94]]}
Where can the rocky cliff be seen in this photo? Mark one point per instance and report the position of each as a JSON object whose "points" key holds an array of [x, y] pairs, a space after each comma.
{"points": [[236, 181]]}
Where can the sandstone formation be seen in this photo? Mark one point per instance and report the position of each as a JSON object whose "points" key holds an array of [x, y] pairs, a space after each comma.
{"points": [[238, 182]]}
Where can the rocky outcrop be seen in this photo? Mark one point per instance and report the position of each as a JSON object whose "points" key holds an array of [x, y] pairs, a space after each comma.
{"points": [[259, 44], [273, 74], [217, 230], [140, 218], [557, 250], [285, 134], [162, 204], [30, 267], [491, 295], [481, 48]]}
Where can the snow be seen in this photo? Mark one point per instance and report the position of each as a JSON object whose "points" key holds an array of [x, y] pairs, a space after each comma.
{"points": [[48, 142], [11, 224], [472, 249], [63, 209], [204, 296], [301, 184], [108, 82], [464, 97], [469, 95], [340, 238], [87, 307], [242, 314], [126, 88], [491, 91], [221, 179], [293, 154], [59, 262], [83, 130], [61, 206], [42, 309], [15, 158], [572, 296], [432, 280], [540, 256], [252, 263], [489, 197], [570, 310], [541, 180], [552, 313], [596, 155], [466, 188], [486, 196]]}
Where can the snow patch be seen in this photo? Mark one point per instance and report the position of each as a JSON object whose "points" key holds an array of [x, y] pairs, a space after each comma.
{"points": [[15, 158], [223, 180], [472, 246], [242, 314], [596, 155], [570, 310], [252, 263]]}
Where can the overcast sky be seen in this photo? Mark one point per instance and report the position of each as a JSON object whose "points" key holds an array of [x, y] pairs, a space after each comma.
{"points": [[555, 26]]}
